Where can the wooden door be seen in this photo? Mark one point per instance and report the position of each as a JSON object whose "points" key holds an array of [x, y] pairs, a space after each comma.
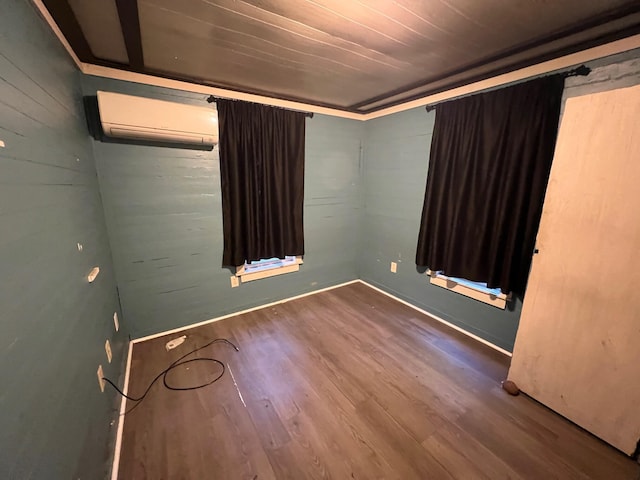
{"points": [[578, 345]]}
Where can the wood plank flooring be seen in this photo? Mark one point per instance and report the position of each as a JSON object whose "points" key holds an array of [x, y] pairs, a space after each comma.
{"points": [[347, 384]]}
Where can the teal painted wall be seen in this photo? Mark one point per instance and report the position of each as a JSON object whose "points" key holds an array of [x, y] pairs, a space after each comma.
{"points": [[616, 71], [54, 422], [396, 157], [362, 211], [164, 216]]}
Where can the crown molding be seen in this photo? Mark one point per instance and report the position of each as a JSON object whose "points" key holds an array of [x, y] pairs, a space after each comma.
{"points": [[560, 63]]}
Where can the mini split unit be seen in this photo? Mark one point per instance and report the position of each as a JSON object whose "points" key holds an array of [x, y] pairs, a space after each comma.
{"points": [[145, 119]]}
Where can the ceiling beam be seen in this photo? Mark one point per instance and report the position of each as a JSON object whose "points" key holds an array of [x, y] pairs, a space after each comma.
{"points": [[130, 25]]}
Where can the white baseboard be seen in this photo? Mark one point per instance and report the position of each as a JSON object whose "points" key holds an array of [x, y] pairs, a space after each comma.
{"points": [[441, 320], [123, 406], [285, 300], [241, 312]]}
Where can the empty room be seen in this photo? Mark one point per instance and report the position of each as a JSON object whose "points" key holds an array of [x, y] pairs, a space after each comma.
{"points": [[319, 239]]}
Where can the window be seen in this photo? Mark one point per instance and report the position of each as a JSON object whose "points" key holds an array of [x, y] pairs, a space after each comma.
{"points": [[487, 175], [476, 290], [262, 182], [268, 267]]}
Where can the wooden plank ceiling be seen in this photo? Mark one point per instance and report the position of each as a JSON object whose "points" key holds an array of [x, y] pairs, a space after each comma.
{"points": [[354, 55]]}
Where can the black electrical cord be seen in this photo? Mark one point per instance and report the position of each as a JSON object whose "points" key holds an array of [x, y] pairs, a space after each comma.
{"points": [[180, 361]]}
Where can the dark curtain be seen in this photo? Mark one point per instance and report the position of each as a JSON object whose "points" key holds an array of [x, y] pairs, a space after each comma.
{"points": [[262, 179], [488, 169]]}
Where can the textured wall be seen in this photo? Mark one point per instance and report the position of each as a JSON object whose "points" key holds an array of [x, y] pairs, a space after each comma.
{"points": [[164, 216], [394, 177], [396, 156], [54, 422], [616, 71], [163, 212]]}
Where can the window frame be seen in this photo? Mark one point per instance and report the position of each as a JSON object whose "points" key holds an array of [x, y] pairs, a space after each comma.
{"points": [[477, 293], [288, 267]]}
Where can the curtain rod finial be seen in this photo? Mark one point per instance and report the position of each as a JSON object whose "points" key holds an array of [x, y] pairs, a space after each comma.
{"points": [[211, 99], [583, 71]]}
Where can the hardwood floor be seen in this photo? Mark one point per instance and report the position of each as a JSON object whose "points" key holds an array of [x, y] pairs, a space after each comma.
{"points": [[347, 384]]}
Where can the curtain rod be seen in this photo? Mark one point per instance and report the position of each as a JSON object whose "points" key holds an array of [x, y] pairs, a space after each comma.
{"points": [[581, 71], [212, 99]]}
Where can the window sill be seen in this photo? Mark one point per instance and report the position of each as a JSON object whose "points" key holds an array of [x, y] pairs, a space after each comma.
{"points": [[498, 300], [246, 276]]}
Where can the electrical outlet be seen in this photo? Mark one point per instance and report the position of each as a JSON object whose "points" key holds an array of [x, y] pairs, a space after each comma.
{"points": [[107, 349], [394, 267], [101, 378], [235, 281], [116, 322]]}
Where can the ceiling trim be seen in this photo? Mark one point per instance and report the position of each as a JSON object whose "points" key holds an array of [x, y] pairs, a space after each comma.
{"points": [[128, 76], [542, 68], [69, 23], [56, 30], [566, 61], [511, 65]]}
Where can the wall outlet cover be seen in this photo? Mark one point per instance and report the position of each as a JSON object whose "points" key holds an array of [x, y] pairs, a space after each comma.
{"points": [[394, 267], [107, 349], [101, 378], [235, 281]]}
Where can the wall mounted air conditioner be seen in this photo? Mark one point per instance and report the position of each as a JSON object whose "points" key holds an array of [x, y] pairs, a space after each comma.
{"points": [[138, 118]]}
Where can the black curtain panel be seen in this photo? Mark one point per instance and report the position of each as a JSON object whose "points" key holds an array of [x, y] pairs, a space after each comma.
{"points": [[262, 179], [489, 165]]}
